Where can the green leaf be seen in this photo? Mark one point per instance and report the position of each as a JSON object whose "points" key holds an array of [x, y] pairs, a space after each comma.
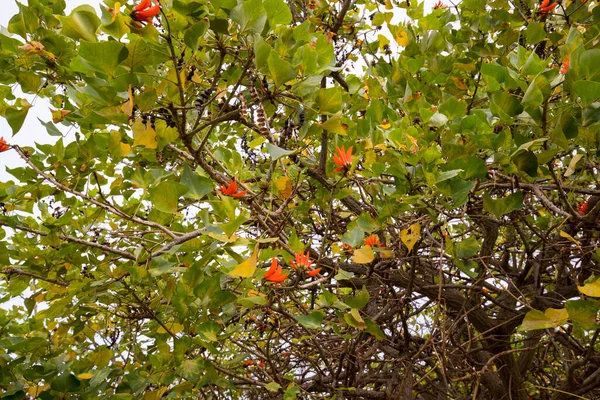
{"points": [[195, 32], [24, 22], [551, 318], [583, 313], [82, 23], [277, 152], [535, 32], [374, 330], [273, 387], [165, 196], [209, 330], [527, 162], [198, 186], [65, 383], [360, 300], [15, 116], [354, 237], [117, 28], [250, 15], [278, 13], [313, 320], [334, 124], [503, 205], [366, 223], [537, 92], [468, 247], [505, 105], [281, 70], [103, 57], [588, 64], [588, 91], [329, 101], [191, 369]]}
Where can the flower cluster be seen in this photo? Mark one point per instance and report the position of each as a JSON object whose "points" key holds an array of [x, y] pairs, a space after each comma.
{"points": [[439, 4], [546, 7], [144, 12], [232, 190], [582, 209], [372, 241], [275, 272], [343, 158], [3, 145], [304, 261], [565, 65]]}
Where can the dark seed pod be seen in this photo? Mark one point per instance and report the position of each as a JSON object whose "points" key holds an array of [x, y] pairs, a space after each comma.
{"points": [[202, 100], [301, 118]]}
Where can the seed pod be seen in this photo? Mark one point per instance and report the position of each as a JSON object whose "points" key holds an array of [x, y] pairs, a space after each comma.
{"points": [[202, 100]]}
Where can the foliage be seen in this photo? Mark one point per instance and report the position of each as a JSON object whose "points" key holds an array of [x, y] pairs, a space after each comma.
{"points": [[204, 147]]}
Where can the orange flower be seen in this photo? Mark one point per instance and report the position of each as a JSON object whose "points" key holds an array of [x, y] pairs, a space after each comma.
{"points": [[372, 241], [144, 13], [302, 260], [3, 145], [546, 7], [313, 272], [582, 209], [439, 4], [565, 65], [275, 273], [343, 158], [232, 190]]}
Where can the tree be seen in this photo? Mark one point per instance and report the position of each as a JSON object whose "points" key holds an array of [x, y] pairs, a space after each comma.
{"points": [[303, 199]]}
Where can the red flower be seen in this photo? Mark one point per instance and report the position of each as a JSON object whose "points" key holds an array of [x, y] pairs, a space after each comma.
{"points": [[232, 190], [582, 209], [302, 260], [3, 145], [439, 4], [546, 7], [144, 13], [343, 158], [313, 272], [275, 273], [565, 65], [372, 241]]}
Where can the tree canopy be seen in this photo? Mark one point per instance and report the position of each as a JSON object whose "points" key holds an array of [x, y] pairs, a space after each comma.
{"points": [[302, 199]]}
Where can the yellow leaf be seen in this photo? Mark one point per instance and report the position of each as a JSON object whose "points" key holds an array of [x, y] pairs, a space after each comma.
{"points": [[284, 187], [334, 124], [402, 38], [247, 268], [39, 297], [125, 149], [571, 168], [557, 316], [459, 83], [127, 107], [356, 315], [35, 391], [385, 124], [221, 237], [411, 235], [156, 394], [59, 115], [591, 289], [569, 237], [174, 328], [382, 41], [144, 135], [388, 5], [87, 375], [364, 255]]}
